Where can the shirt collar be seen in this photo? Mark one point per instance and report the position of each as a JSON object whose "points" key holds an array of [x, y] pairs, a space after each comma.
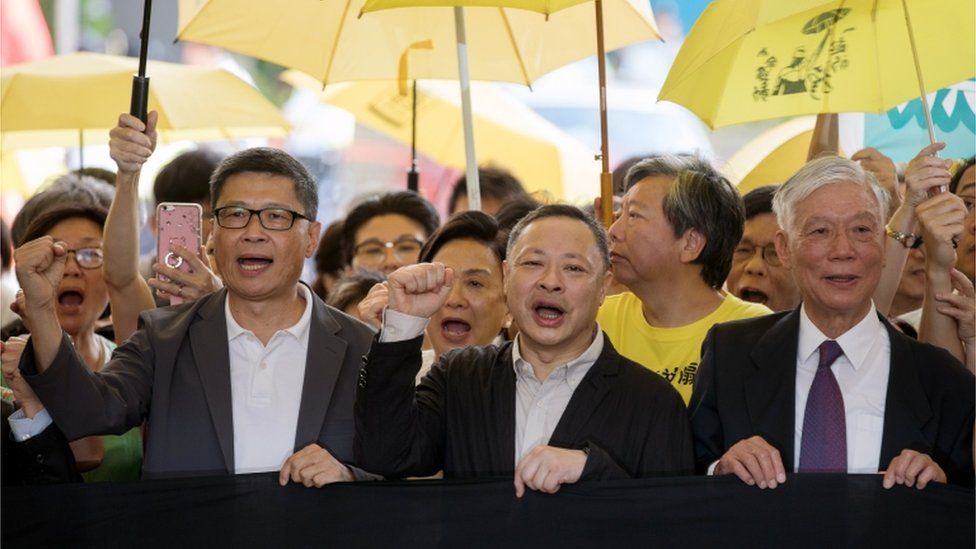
{"points": [[574, 369], [299, 330], [856, 342]]}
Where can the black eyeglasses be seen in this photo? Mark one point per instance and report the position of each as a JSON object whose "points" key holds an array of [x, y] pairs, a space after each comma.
{"points": [[88, 258], [273, 219]]}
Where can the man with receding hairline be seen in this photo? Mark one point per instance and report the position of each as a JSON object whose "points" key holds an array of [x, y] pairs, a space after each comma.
{"points": [[555, 406]]}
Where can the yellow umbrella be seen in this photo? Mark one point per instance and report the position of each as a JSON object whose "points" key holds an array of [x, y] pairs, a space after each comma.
{"points": [[752, 59], [508, 133], [594, 22], [74, 99], [330, 42]]}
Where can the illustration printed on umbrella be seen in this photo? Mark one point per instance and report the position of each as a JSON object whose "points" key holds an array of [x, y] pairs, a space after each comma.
{"points": [[820, 52]]}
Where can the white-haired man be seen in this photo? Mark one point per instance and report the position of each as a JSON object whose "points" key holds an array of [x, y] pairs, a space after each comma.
{"points": [[831, 386]]}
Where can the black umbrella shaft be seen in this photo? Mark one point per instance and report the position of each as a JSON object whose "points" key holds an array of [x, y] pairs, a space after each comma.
{"points": [[144, 37]]}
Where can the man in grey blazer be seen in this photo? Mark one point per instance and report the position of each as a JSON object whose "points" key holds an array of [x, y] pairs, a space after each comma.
{"points": [[260, 376]]}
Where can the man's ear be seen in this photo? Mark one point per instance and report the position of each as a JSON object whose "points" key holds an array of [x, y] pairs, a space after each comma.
{"points": [[692, 244], [314, 233], [782, 244]]}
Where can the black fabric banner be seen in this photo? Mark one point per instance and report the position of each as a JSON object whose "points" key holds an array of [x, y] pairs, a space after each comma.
{"points": [[825, 511]]}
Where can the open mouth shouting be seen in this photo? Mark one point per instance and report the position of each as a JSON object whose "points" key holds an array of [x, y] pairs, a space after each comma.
{"points": [[455, 330], [253, 264], [548, 314], [70, 300], [754, 295]]}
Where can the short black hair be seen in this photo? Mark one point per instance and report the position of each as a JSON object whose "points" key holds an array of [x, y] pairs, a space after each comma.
{"points": [[353, 288], [406, 203], [273, 161], [957, 177], [186, 178], [80, 190], [759, 201], [470, 225], [493, 182], [702, 199], [43, 223], [512, 212], [563, 210]]}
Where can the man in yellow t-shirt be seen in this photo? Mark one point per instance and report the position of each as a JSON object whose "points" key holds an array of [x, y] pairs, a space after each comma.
{"points": [[672, 247], [671, 352]]}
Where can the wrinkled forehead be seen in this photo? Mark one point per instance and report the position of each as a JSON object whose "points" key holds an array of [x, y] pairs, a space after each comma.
{"points": [[838, 200]]}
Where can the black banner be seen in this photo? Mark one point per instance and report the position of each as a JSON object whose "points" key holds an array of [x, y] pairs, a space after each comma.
{"points": [[831, 511]]}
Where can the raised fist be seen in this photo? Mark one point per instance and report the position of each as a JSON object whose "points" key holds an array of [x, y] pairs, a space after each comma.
{"points": [[131, 143], [40, 267], [420, 290]]}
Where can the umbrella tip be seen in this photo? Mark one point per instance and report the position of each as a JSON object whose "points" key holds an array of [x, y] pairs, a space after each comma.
{"points": [[360, 16]]}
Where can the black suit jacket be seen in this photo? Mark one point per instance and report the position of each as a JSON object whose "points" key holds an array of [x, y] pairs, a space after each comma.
{"points": [[746, 385], [42, 459], [461, 418], [174, 373]]}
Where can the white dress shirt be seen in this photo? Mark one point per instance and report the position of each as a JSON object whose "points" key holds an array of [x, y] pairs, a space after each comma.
{"points": [[862, 374], [266, 391], [539, 405]]}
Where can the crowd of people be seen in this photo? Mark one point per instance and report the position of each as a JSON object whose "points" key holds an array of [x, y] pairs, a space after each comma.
{"points": [[822, 324]]}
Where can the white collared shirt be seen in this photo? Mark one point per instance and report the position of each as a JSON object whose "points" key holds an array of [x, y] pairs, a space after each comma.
{"points": [[266, 391], [862, 374], [539, 405]]}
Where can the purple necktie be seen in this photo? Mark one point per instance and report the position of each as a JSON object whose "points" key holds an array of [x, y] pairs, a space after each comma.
{"points": [[823, 445]]}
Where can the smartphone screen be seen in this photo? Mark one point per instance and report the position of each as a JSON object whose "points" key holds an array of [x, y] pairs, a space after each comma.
{"points": [[177, 223]]}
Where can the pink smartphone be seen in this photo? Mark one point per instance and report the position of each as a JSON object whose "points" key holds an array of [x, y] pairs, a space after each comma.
{"points": [[177, 223]]}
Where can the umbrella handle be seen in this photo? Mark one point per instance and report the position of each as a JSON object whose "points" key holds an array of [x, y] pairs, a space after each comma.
{"points": [[140, 97]]}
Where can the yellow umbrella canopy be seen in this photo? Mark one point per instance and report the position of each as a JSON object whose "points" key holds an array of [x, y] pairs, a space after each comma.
{"points": [[773, 156], [760, 59], [64, 100], [328, 40], [508, 133]]}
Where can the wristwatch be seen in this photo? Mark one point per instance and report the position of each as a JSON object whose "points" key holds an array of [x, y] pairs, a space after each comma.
{"points": [[908, 240]]}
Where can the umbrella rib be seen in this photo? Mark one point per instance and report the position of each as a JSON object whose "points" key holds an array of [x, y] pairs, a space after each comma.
{"points": [[335, 45], [518, 54]]}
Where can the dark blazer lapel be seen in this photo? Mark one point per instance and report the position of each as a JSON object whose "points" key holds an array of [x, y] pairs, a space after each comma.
{"points": [[588, 395], [324, 361], [907, 408], [208, 340], [501, 409], [771, 391]]}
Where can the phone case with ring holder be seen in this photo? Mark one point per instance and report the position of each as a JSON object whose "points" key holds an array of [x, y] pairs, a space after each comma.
{"points": [[177, 223]]}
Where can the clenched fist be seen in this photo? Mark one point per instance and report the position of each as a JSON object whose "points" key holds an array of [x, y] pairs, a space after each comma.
{"points": [[40, 267], [420, 290], [131, 143]]}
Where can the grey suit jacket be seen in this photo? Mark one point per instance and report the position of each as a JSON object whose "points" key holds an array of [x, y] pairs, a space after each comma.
{"points": [[174, 373]]}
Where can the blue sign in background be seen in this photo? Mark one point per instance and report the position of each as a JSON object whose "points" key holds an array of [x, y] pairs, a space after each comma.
{"points": [[900, 133]]}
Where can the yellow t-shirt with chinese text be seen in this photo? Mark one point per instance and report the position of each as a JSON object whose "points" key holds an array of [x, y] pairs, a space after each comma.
{"points": [[673, 353]]}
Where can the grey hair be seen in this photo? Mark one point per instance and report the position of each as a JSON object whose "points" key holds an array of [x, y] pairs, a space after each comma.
{"points": [[820, 172], [699, 198]]}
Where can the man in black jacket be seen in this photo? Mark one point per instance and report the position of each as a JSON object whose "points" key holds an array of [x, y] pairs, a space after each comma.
{"points": [[555, 406]]}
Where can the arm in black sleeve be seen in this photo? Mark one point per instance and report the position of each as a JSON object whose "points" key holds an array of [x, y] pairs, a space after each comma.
{"points": [[706, 425], [399, 425]]}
